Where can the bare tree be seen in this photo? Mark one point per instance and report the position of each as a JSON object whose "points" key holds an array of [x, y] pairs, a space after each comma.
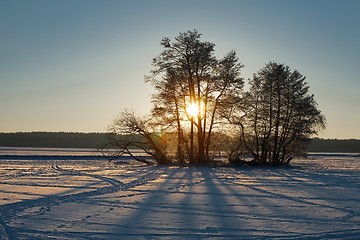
{"points": [[140, 134], [279, 115], [187, 75]]}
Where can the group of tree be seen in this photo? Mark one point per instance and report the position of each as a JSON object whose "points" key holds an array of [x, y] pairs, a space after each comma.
{"points": [[200, 107]]}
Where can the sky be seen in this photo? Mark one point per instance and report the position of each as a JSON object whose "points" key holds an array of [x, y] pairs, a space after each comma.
{"points": [[74, 65]]}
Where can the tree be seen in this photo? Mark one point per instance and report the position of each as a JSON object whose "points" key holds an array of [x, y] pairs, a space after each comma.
{"points": [[140, 133], [279, 115], [193, 87]]}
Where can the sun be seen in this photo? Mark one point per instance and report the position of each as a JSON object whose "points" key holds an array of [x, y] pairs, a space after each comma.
{"points": [[192, 109]]}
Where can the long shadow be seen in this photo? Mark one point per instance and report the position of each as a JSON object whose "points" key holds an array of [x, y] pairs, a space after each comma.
{"points": [[260, 203], [248, 220], [187, 218], [150, 216], [221, 209], [188, 203], [276, 204]]}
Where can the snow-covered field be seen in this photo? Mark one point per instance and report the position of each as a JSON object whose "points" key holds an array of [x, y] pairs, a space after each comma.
{"points": [[72, 194]]}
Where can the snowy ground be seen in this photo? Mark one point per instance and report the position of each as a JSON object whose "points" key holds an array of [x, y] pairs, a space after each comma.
{"points": [[47, 194]]}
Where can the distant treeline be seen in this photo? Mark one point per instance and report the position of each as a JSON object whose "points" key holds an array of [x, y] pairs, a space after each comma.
{"points": [[53, 139], [95, 140], [335, 145]]}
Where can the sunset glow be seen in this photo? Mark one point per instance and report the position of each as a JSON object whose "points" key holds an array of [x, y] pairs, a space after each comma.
{"points": [[192, 109]]}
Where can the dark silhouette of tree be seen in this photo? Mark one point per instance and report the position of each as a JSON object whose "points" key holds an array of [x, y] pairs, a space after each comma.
{"points": [[200, 108], [141, 134], [187, 75], [279, 115], [193, 88]]}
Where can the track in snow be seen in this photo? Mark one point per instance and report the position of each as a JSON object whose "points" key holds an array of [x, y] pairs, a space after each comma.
{"points": [[94, 200]]}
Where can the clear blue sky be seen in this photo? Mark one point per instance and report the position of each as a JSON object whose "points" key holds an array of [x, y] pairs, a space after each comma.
{"points": [[74, 65]]}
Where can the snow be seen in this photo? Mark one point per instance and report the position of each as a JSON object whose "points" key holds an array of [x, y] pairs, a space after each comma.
{"points": [[60, 198]]}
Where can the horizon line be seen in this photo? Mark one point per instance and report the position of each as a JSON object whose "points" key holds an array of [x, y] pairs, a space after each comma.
{"points": [[79, 132]]}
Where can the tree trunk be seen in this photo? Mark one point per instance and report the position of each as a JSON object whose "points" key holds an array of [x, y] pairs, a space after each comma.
{"points": [[201, 142], [191, 155]]}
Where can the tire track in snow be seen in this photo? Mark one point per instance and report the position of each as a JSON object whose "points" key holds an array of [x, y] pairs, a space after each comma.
{"points": [[10, 211]]}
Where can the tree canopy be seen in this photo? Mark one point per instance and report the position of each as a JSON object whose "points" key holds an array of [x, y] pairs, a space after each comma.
{"points": [[278, 115]]}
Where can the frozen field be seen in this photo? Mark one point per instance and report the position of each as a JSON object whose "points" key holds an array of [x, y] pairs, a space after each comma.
{"points": [[72, 194]]}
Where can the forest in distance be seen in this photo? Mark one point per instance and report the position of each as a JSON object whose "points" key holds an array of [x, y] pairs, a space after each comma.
{"points": [[96, 140]]}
